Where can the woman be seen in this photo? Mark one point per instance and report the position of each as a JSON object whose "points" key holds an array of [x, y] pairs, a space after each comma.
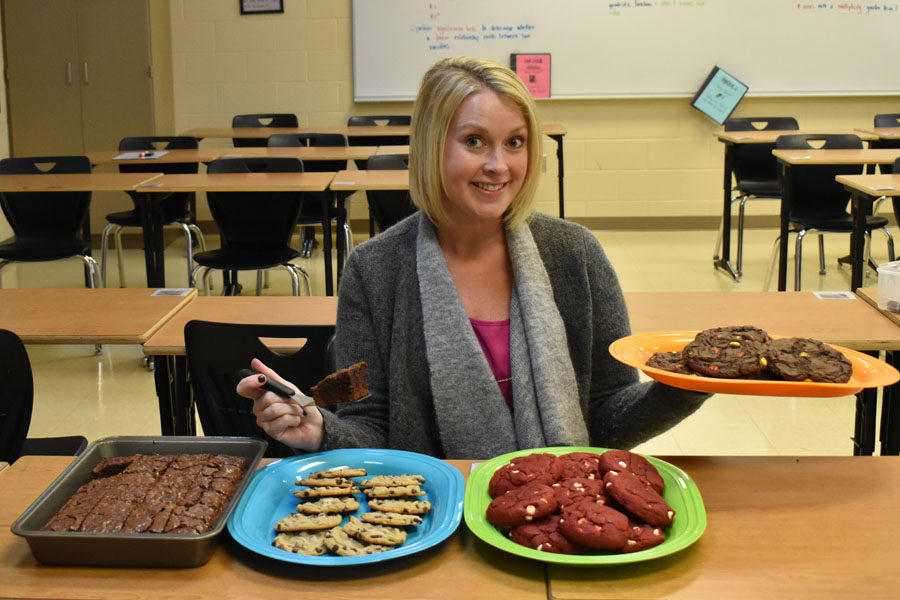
{"points": [[485, 326]]}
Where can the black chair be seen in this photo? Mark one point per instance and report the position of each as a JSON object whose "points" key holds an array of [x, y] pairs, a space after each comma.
{"points": [[388, 207], [16, 403], [261, 120], [819, 203], [312, 210], [755, 172], [178, 208], [48, 225], [255, 227], [887, 120], [216, 352], [895, 200], [377, 140]]}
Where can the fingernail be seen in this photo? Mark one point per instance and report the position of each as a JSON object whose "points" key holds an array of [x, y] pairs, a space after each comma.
{"points": [[261, 378]]}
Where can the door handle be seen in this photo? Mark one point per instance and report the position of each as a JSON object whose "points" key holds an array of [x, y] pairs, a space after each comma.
{"points": [[69, 73], [86, 80]]}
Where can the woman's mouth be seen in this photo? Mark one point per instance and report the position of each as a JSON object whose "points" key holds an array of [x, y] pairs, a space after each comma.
{"points": [[489, 187]]}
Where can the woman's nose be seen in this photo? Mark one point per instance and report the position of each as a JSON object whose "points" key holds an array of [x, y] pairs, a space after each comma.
{"points": [[495, 161]]}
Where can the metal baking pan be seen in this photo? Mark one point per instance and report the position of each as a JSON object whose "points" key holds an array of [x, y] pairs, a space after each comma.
{"points": [[119, 549]]}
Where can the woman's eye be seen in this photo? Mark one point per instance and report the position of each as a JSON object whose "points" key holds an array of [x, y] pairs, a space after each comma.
{"points": [[516, 142], [473, 142]]}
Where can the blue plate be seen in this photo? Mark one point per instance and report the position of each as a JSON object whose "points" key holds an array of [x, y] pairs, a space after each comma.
{"points": [[270, 496]]}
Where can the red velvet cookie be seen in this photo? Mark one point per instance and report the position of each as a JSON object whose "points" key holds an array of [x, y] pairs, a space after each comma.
{"points": [[623, 460], [642, 536], [522, 504], [572, 489], [637, 498], [581, 464], [531, 468], [544, 535], [594, 525]]}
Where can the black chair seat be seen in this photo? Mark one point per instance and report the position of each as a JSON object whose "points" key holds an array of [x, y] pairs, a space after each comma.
{"points": [[71, 445], [836, 224], [23, 252], [241, 260], [761, 189]]}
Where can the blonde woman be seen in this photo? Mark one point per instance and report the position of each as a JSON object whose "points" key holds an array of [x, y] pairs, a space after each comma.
{"points": [[485, 325]]}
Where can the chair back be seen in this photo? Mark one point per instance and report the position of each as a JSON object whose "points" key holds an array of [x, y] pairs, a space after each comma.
{"points": [[755, 169], [255, 221], [16, 395], [816, 196], [216, 353], [261, 120], [378, 140], [887, 120], [295, 140], [47, 222], [389, 206]]}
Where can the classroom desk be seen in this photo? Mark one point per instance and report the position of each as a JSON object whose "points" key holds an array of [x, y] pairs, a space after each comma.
{"points": [[730, 139], [864, 190], [392, 150], [221, 182], [792, 158], [555, 131], [167, 344], [185, 155], [886, 136], [305, 153], [852, 323], [460, 567], [777, 527]]}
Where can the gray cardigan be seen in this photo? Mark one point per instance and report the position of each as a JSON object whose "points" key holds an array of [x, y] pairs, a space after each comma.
{"points": [[380, 322]]}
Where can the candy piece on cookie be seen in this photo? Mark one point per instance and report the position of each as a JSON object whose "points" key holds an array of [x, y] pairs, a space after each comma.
{"points": [[308, 522], [393, 519], [320, 492], [311, 543], [393, 480], [338, 541], [374, 534], [407, 507], [331, 504], [338, 472], [398, 491]]}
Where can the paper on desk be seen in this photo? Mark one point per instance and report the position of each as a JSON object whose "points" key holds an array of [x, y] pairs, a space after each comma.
{"points": [[144, 155], [172, 292]]}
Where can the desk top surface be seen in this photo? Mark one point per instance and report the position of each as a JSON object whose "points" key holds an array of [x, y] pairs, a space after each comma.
{"points": [[74, 182], [769, 136], [873, 185], [884, 133], [100, 157], [87, 316], [305, 152], [371, 180], [778, 527], [852, 323], [238, 182], [349, 131], [267, 310], [837, 157]]}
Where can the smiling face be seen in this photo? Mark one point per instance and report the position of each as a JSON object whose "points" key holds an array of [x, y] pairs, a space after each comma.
{"points": [[485, 157]]}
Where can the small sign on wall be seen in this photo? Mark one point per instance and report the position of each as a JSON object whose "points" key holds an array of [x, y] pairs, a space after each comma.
{"points": [[534, 71], [253, 7]]}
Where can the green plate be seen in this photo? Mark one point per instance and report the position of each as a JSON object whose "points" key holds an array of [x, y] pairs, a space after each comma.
{"points": [[681, 493]]}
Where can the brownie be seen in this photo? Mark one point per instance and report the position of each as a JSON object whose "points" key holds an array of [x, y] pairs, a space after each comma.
{"points": [[183, 493], [347, 385], [803, 359]]}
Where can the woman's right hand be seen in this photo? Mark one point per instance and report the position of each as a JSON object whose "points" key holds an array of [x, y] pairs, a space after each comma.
{"points": [[280, 418]]}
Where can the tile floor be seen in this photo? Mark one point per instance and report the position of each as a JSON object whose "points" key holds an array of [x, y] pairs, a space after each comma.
{"points": [[111, 393]]}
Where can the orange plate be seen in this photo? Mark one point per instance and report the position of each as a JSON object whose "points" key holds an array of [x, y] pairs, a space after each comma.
{"points": [[635, 350]]}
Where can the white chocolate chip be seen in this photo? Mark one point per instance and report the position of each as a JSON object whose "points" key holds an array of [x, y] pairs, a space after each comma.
{"points": [[530, 509], [631, 542], [671, 514], [623, 464]]}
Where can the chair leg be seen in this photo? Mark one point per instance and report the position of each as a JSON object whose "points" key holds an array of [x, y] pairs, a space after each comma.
{"points": [[92, 270], [197, 271], [104, 250], [798, 259], [120, 257], [201, 243], [771, 269], [821, 254], [348, 240], [295, 281], [259, 282], [305, 276], [890, 243], [739, 264], [3, 263]]}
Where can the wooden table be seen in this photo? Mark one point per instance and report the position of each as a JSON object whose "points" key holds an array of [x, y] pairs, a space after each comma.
{"points": [[851, 323], [305, 153], [886, 136], [167, 344], [460, 567], [183, 155], [554, 131], [223, 182], [778, 527], [864, 190], [730, 139], [793, 158]]}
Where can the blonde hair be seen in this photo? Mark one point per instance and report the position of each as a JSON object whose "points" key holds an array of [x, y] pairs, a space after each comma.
{"points": [[444, 87]]}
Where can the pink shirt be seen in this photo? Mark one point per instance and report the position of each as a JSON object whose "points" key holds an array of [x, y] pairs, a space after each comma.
{"points": [[494, 339]]}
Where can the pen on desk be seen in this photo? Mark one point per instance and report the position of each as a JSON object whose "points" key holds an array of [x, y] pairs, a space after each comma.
{"points": [[145, 154]]}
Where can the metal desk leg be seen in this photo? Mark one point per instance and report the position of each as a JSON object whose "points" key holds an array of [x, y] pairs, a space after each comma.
{"points": [[560, 173], [890, 414], [339, 202], [154, 245], [162, 377], [861, 206], [326, 243], [864, 429], [785, 218], [724, 261]]}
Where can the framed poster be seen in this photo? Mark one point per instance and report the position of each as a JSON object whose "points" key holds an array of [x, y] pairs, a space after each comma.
{"points": [[253, 7]]}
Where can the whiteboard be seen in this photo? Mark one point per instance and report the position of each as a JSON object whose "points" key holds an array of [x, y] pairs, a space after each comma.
{"points": [[635, 48]]}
